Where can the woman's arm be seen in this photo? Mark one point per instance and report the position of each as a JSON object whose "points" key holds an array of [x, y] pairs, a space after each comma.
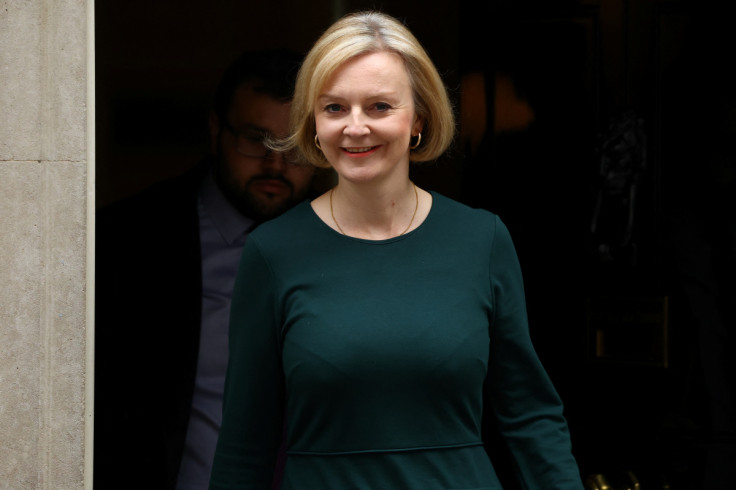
{"points": [[524, 402], [250, 434]]}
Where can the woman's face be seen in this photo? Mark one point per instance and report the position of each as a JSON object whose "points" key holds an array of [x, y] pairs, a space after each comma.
{"points": [[365, 118]]}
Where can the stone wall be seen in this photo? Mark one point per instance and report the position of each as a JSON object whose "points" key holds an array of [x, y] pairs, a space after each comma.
{"points": [[46, 194]]}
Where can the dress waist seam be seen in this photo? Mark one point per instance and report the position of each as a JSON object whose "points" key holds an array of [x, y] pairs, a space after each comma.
{"points": [[295, 452]]}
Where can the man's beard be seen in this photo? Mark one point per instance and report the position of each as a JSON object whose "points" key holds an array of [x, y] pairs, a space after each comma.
{"points": [[261, 207]]}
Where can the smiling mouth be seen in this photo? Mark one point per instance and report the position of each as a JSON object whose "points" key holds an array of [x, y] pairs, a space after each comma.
{"points": [[360, 150]]}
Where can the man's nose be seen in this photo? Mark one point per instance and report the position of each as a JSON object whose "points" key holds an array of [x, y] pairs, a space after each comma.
{"points": [[276, 162]]}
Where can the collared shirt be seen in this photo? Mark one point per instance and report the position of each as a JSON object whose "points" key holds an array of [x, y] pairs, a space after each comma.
{"points": [[222, 232]]}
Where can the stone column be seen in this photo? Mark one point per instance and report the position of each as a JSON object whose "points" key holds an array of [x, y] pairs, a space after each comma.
{"points": [[46, 259]]}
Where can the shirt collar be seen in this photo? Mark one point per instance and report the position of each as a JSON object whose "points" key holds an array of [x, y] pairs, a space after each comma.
{"points": [[231, 224]]}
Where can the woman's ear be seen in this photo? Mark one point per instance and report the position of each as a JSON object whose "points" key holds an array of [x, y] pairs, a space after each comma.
{"points": [[418, 126]]}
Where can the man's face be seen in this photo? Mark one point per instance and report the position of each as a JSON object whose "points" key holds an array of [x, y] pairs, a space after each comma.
{"points": [[261, 184]]}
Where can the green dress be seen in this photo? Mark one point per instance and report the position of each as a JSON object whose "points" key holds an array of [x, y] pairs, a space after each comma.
{"points": [[385, 357]]}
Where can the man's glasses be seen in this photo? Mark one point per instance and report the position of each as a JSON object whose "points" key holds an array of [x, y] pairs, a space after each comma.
{"points": [[251, 144]]}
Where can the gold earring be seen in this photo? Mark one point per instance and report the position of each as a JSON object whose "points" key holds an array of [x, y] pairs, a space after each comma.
{"points": [[316, 142], [419, 140]]}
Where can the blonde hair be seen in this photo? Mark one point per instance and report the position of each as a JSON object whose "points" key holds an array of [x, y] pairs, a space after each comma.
{"points": [[354, 35]]}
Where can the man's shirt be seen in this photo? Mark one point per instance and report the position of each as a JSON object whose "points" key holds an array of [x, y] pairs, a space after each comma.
{"points": [[222, 232]]}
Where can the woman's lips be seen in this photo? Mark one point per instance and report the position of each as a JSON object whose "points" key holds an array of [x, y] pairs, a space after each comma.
{"points": [[359, 150]]}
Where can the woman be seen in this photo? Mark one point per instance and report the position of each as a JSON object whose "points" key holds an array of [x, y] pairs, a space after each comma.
{"points": [[386, 322]]}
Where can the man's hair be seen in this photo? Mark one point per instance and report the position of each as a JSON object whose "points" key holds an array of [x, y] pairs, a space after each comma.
{"points": [[271, 72]]}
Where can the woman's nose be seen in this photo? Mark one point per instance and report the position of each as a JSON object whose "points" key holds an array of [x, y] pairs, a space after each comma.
{"points": [[356, 124]]}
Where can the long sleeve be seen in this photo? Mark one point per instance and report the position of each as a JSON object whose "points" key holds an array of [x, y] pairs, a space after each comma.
{"points": [[254, 388], [526, 406]]}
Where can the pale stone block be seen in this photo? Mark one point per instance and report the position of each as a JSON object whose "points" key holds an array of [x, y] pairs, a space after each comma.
{"points": [[43, 75], [20, 79], [42, 314], [64, 80], [43, 193], [63, 320], [21, 297]]}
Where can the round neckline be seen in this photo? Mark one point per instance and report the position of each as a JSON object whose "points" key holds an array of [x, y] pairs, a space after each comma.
{"points": [[383, 241]]}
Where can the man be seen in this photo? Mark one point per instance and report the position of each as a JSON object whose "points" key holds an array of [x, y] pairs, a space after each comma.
{"points": [[166, 263]]}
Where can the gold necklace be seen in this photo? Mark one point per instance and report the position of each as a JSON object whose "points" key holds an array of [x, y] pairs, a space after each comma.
{"points": [[416, 206]]}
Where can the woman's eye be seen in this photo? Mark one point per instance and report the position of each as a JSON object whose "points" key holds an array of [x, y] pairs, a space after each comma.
{"points": [[382, 106], [332, 108]]}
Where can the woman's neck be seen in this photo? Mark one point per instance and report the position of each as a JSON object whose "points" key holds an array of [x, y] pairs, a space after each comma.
{"points": [[374, 211]]}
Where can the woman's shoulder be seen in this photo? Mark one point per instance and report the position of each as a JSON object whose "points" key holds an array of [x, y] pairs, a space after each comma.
{"points": [[292, 219], [292, 228], [476, 229], [453, 211]]}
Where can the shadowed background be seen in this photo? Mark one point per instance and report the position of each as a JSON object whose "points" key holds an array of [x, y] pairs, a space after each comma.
{"points": [[599, 130]]}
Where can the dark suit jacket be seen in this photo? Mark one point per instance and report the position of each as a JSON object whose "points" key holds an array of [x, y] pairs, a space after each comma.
{"points": [[148, 308]]}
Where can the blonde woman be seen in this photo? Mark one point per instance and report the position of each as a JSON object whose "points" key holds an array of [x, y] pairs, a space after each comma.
{"points": [[384, 322]]}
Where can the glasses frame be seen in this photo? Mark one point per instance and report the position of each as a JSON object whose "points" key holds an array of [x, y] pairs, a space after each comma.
{"points": [[268, 155]]}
